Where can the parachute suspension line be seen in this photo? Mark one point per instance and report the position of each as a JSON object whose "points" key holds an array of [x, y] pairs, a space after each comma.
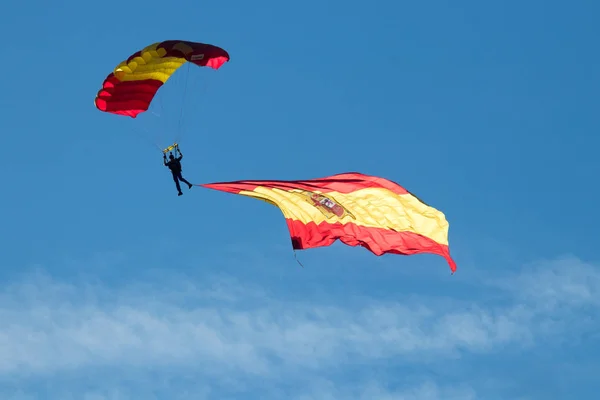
{"points": [[157, 135], [153, 119], [199, 87], [298, 261], [159, 113], [154, 143], [185, 86]]}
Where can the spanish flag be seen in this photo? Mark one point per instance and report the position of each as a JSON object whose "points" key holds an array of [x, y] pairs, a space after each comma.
{"points": [[357, 209]]}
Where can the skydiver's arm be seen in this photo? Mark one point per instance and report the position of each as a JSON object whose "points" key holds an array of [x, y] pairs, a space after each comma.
{"points": [[165, 159]]}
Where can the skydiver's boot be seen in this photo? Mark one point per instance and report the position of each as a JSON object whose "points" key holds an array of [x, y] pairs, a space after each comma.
{"points": [[179, 194], [190, 185]]}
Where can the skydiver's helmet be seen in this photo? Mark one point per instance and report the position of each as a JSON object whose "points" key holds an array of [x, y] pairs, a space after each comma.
{"points": [[171, 156]]}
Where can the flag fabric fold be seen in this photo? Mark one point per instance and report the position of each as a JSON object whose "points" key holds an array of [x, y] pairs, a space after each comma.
{"points": [[356, 209]]}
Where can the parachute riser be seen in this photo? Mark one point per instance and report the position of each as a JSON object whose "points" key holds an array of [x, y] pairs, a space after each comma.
{"points": [[174, 146]]}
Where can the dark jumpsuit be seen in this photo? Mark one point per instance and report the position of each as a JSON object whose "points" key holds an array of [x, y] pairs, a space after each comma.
{"points": [[175, 167]]}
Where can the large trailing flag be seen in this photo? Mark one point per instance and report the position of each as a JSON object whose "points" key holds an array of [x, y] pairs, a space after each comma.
{"points": [[357, 209]]}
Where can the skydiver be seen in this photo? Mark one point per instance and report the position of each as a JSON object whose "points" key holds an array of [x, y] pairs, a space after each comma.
{"points": [[174, 164]]}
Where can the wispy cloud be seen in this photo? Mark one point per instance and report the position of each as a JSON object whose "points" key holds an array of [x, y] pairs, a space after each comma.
{"points": [[566, 281], [426, 390], [224, 330]]}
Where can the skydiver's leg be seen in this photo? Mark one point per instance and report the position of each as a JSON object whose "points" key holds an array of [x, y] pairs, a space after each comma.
{"points": [[177, 184], [182, 179]]}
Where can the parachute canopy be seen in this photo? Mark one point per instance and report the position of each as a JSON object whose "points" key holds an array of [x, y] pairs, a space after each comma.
{"points": [[130, 88], [357, 209]]}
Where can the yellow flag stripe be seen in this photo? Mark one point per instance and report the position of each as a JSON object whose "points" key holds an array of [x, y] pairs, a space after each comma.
{"points": [[370, 207]]}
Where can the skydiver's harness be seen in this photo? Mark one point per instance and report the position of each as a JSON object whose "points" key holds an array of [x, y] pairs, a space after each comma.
{"points": [[172, 147]]}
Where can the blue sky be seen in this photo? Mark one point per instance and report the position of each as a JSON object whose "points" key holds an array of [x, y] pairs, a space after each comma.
{"points": [[112, 287]]}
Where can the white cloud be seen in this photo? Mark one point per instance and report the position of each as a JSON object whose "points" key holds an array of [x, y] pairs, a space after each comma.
{"points": [[426, 390], [54, 330], [220, 328], [554, 283], [320, 389]]}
